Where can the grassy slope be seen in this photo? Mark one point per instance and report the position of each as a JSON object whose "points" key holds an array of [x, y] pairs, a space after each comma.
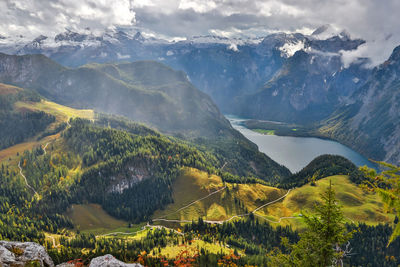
{"points": [[263, 131], [194, 184], [62, 114], [190, 186], [172, 252], [357, 205], [93, 217], [6, 89]]}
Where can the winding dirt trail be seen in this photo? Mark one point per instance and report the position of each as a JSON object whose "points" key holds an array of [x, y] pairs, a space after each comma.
{"points": [[191, 203], [26, 181], [231, 218], [44, 148], [143, 229], [280, 219], [162, 219]]}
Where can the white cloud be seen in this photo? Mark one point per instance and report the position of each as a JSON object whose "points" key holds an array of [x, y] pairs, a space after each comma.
{"points": [[197, 5], [370, 20], [143, 3], [31, 18], [120, 56]]}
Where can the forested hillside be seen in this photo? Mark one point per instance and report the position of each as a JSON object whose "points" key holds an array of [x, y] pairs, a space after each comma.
{"points": [[321, 167], [147, 92], [18, 124], [131, 170]]}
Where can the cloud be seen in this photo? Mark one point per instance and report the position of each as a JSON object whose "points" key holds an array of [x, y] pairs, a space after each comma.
{"points": [[34, 17], [372, 20]]}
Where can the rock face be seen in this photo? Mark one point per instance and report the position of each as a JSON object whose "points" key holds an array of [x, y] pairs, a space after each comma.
{"points": [[22, 254], [109, 261], [66, 264], [310, 85], [371, 122]]}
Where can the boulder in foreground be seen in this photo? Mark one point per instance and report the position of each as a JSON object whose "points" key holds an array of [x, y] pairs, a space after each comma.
{"points": [[109, 261], [23, 254]]}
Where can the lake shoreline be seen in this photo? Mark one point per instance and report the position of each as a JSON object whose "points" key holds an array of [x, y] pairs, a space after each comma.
{"points": [[285, 129], [293, 146]]}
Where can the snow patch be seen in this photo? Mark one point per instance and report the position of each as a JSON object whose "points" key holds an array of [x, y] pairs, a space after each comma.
{"points": [[289, 49], [120, 56], [233, 47]]}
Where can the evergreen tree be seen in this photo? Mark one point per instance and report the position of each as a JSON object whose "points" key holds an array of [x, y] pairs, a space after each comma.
{"points": [[321, 243]]}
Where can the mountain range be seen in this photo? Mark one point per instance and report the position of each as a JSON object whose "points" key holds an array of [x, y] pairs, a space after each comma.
{"points": [[293, 78], [224, 68], [108, 146], [147, 92]]}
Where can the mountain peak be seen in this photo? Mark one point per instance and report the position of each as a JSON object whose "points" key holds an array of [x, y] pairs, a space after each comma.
{"points": [[321, 29], [395, 56], [327, 31], [69, 35], [139, 37], [40, 38]]}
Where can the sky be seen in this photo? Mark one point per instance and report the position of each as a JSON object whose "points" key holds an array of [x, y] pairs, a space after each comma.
{"points": [[376, 21]]}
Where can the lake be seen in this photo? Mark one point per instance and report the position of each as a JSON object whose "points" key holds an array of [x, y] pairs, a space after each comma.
{"points": [[296, 152]]}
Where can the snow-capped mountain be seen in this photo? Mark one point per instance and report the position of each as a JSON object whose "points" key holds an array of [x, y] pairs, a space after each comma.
{"points": [[225, 68]]}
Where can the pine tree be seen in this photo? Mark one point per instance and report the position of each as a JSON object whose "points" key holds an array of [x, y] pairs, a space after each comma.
{"points": [[321, 243]]}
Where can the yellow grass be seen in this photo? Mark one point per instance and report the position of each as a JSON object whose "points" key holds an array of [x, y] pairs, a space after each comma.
{"points": [[6, 89], [62, 113], [194, 185], [357, 205], [171, 251]]}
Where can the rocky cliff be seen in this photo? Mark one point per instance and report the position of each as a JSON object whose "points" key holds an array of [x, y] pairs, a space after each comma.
{"points": [[370, 121], [309, 87]]}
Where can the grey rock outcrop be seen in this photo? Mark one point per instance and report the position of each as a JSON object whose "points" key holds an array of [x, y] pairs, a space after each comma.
{"points": [[66, 264], [109, 261], [23, 253]]}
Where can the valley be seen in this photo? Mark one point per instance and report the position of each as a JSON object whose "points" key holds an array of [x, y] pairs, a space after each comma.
{"points": [[115, 142]]}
